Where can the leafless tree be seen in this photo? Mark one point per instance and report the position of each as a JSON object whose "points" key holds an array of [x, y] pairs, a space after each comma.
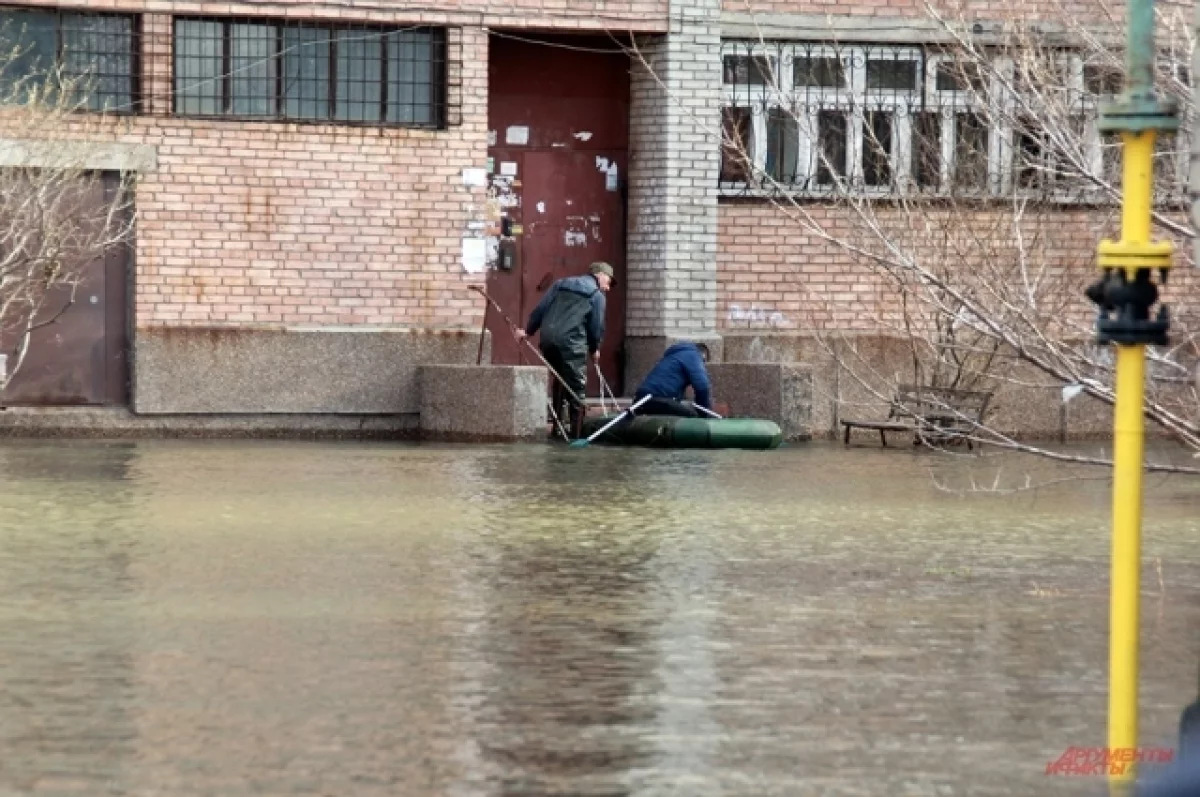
{"points": [[977, 274], [57, 215]]}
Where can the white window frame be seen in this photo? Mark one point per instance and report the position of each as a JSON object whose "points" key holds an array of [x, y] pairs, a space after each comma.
{"points": [[742, 96], [950, 103], [900, 103], [1095, 139], [806, 103], [1071, 64], [821, 98]]}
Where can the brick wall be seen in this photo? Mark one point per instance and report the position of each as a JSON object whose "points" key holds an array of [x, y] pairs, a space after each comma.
{"points": [[774, 276], [246, 223], [672, 180], [269, 223], [617, 15]]}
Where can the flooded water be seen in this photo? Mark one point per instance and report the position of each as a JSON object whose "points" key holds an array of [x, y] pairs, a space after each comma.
{"points": [[221, 618]]}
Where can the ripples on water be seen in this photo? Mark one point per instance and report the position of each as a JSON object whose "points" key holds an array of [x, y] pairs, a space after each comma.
{"points": [[195, 618]]}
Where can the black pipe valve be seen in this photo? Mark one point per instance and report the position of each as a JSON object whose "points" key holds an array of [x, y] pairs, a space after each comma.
{"points": [[1124, 315]]}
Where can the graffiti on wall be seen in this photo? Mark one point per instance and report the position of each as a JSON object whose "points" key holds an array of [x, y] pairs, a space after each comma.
{"points": [[756, 316]]}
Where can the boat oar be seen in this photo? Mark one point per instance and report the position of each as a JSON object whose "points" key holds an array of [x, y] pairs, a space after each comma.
{"points": [[707, 411], [513, 329], [586, 442]]}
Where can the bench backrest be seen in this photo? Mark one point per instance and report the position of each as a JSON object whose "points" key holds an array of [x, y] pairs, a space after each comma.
{"points": [[941, 403]]}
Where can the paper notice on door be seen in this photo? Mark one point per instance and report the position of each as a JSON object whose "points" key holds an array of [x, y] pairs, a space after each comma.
{"points": [[474, 255], [610, 178], [508, 168], [516, 136]]}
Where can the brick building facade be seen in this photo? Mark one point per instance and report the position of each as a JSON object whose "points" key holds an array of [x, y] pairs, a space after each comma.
{"points": [[309, 231]]}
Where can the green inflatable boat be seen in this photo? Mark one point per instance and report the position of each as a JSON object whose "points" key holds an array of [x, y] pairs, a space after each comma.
{"points": [[664, 431]]}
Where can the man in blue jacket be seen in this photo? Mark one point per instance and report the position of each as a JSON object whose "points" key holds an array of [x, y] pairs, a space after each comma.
{"points": [[571, 319], [681, 367]]}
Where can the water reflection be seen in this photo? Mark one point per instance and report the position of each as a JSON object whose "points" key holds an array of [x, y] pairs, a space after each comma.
{"points": [[573, 615], [271, 618], [67, 665]]}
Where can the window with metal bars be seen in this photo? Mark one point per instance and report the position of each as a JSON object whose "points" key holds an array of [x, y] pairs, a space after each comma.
{"points": [[93, 54], [818, 118], [296, 71]]}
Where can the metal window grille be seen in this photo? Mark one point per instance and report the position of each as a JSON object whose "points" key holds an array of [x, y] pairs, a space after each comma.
{"points": [[818, 118], [96, 54], [812, 118], [262, 69]]}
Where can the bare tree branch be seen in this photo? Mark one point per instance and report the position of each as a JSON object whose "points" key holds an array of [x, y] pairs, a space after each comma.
{"points": [[972, 273]]}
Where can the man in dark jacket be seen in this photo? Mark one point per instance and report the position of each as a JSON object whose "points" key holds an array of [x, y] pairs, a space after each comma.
{"points": [[681, 367], [571, 319]]}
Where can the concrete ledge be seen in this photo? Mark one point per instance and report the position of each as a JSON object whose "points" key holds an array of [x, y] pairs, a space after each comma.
{"points": [[121, 423], [483, 403], [65, 154], [346, 370], [781, 392], [852, 374]]}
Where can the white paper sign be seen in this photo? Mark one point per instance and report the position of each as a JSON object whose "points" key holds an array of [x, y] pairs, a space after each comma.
{"points": [[508, 168], [517, 135], [475, 178], [610, 178], [474, 255]]}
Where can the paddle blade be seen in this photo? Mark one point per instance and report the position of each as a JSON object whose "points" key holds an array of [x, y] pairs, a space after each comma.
{"points": [[581, 443]]}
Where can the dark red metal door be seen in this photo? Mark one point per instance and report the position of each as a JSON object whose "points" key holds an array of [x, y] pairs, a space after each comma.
{"points": [[571, 221], [80, 356], [559, 116]]}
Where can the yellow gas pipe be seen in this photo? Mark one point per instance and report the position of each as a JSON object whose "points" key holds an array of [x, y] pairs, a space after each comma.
{"points": [[1125, 296]]}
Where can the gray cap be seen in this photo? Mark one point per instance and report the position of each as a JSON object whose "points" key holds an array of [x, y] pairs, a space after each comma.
{"points": [[603, 268]]}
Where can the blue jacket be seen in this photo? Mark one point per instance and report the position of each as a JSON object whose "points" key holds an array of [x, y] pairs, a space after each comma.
{"points": [[570, 315], [681, 366]]}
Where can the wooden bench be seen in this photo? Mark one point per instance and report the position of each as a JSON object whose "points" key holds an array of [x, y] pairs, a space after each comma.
{"points": [[930, 413]]}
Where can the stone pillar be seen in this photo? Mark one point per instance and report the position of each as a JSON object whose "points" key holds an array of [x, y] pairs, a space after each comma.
{"points": [[780, 392], [674, 162]]}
